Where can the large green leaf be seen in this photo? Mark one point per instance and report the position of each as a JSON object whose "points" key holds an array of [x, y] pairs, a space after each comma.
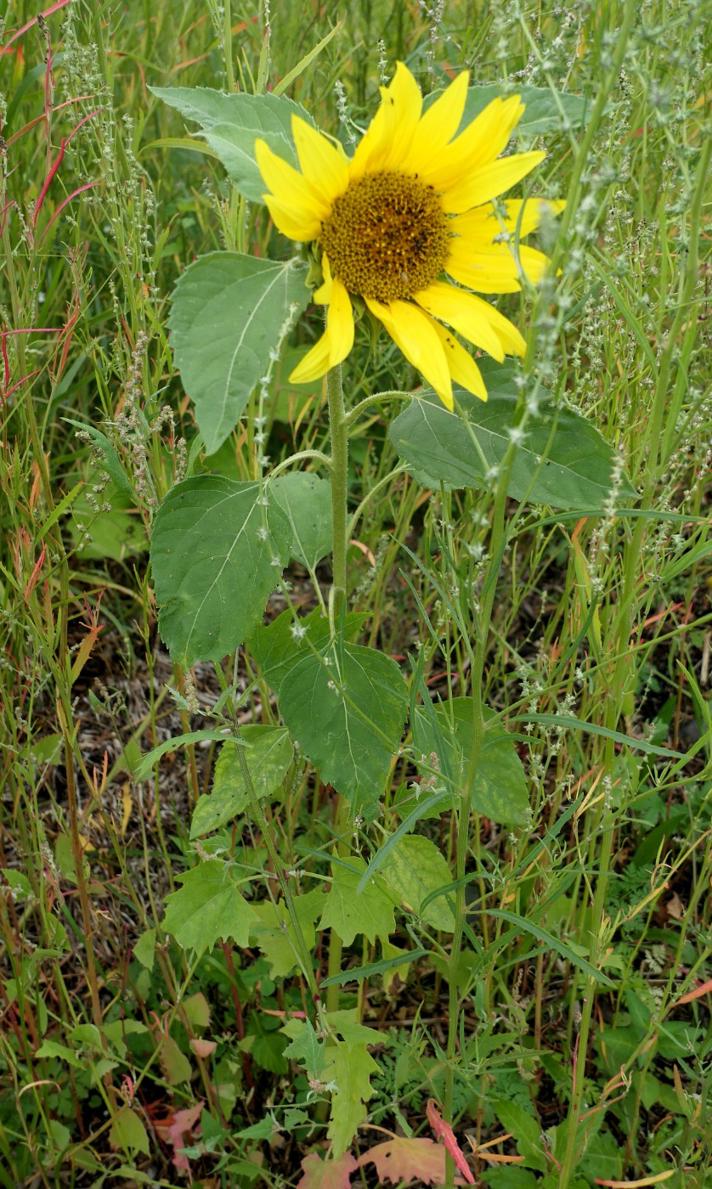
{"points": [[208, 907], [499, 789], [563, 462], [415, 869], [232, 123], [545, 110], [344, 703], [273, 645], [225, 319], [306, 502], [217, 552], [268, 753]]}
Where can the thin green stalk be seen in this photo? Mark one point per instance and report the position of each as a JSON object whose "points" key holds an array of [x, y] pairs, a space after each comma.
{"points": [[303, 953], [337, 597], [603, 824], [227, 45], [339, 491], [497, 545]]}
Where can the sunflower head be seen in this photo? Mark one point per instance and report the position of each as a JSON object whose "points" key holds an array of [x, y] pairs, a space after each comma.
{"points": [[409, 226]]}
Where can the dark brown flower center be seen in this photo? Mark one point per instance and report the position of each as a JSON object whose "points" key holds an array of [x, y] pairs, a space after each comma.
{"points": [[386, 236]]}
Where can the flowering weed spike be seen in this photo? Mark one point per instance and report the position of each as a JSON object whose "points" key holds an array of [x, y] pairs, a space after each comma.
{"points": [[408, 225]]}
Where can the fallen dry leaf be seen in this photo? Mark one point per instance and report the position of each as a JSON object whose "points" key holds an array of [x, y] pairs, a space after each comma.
{"points": [[411, 1160], [674, 907], [327, 1174], [174, 1128], [202, 1048]]}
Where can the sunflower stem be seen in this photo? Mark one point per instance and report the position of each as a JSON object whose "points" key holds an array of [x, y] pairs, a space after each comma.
{"points": [[337, 603], [339, 489]]}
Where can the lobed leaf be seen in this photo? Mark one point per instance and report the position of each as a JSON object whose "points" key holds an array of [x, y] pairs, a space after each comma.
{"points": [[268, 754], [208, 907], [350, 912]]}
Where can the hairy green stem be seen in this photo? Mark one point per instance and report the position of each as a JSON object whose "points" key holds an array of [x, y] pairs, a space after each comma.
{"points": [[339, 491], [337, 598]]}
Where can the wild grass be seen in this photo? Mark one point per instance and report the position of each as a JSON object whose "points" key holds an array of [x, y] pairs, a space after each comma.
{"points": [[596, 629]]}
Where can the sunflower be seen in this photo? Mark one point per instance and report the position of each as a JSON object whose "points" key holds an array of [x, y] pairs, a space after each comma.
{"points": [[409, 226]]}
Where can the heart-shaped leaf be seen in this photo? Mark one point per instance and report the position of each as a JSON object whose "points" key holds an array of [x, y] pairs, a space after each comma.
{"points": [[217, 551], [226, 316], [563, 461], [344, 703], [545, 110], [499, 789], [232, 123], [305, 500]]}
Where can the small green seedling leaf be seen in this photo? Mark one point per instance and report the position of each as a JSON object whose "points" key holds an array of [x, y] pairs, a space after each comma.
{"points": [[53, 1048], [499, 789], [416, 869], [128, 1132]]}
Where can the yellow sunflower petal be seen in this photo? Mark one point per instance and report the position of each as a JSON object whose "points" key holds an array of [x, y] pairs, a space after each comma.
{"points": [[315, 363], [489, 181], [463, 368], [495, 268], [322, 295], [523, 215], [288, 185], [322, 165], [480, 143], [492, 269], [296, 225], [520, 216], [463, 312], [388, 136], [437, 126], [414, 334], [339, 323], [506, 331]]}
